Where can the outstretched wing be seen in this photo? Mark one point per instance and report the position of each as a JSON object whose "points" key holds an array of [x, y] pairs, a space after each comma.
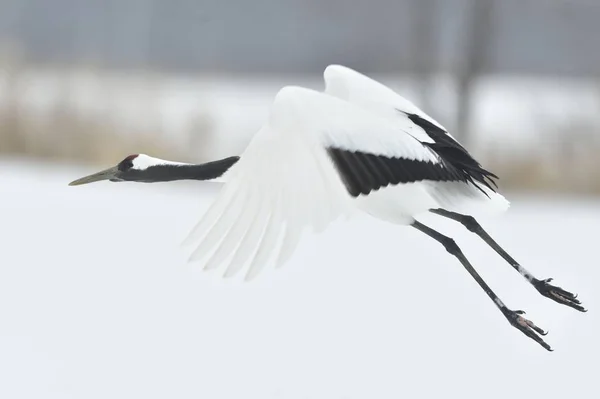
{"points": [[358, 89], [297, 172]]}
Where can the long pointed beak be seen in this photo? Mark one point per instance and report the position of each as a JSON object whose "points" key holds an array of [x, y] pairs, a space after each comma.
{"points": [[102, 175]]}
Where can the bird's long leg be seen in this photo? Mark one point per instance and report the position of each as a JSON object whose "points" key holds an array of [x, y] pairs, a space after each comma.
{"points": [[543, 286], [513, 316]]}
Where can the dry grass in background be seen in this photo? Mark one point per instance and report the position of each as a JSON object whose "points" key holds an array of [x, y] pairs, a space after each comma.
{"points": [[72, 137], [64, 132], [567, 160]]}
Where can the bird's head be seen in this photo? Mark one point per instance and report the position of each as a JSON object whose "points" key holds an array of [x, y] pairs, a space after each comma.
{"points": [[136, 167]]}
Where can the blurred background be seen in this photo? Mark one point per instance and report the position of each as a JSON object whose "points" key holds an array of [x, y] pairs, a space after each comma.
{"points": [[517, 81], [97, 299]]}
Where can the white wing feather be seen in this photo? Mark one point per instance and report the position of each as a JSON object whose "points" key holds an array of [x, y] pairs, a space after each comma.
{"points": [[285, 181], [361, 90]]}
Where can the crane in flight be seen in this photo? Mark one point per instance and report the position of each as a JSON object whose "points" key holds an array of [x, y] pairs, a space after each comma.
{"points": [[357, 146]]}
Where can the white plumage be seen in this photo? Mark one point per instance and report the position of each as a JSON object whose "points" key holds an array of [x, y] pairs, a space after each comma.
{"points": [[356, 88], [358, 146], [285, 181]]}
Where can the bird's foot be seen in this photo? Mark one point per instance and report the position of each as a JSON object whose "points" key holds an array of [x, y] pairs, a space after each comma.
{"points": [[526, 326], [557, 294]]}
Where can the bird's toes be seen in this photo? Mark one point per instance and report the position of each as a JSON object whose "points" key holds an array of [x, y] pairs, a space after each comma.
{"points": [[558, 294], [527, 327]]}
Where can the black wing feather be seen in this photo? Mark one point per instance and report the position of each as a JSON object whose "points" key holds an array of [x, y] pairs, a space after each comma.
{"points": [[455, 154], [363, 172]]}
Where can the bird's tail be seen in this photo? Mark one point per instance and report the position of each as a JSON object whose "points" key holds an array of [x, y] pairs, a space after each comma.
{"points": [[467, 198]]}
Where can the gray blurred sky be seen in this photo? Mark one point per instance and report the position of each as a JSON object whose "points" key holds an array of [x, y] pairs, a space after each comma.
{"points": [[525, 36]]}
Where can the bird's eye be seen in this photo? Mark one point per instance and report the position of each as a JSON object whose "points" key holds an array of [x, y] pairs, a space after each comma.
{"points": [[127, 163]]}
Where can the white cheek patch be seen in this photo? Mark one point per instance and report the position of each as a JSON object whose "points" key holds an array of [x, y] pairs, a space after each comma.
{"points": [[143, 162]]}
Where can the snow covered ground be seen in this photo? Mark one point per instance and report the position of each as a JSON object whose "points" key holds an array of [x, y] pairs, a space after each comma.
{"points": [[97, 301]]}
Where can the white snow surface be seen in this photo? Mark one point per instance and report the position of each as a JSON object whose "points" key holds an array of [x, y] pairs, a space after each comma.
{"points": [[97, 301]]}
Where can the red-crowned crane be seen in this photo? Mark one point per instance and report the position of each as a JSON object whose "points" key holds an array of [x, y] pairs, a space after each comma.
{"points": [[320, 155]]}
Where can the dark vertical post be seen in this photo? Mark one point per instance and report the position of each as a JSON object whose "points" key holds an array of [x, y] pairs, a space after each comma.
{"points": [[478, 30], [423, 49]]}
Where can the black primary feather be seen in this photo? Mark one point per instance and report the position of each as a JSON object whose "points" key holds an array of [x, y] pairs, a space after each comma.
{"points": [[454, 154]]}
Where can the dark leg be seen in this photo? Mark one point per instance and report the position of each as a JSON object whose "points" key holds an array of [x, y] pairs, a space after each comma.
{"points": [[513, 316], [543, 286]]}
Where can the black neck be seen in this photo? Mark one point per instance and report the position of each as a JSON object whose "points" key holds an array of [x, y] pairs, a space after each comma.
{"points": [[163, 173]]}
